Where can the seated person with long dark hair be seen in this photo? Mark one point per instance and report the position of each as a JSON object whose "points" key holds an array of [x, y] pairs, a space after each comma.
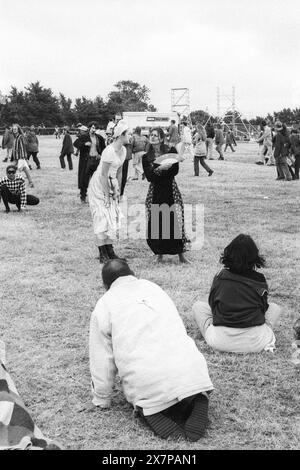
{"points": [[13, 190], [238, 318]]}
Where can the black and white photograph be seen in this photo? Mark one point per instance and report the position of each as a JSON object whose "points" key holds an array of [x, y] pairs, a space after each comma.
{"points": [[149, 228]]}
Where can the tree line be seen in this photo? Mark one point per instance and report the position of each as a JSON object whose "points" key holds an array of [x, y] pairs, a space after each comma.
{"points": [[287, 115], [39, 105]]}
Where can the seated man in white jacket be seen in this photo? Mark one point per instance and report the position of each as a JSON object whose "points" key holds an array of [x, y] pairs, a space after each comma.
{"points": [[136, 331]]}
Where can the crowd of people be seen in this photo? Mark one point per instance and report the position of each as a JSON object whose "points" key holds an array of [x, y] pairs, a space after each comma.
{"points": [[280, 147], [135, 323]]}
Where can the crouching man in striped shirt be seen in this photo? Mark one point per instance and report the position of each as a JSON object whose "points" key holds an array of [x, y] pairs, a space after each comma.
{"points": [[13, 190], [136, 331]]}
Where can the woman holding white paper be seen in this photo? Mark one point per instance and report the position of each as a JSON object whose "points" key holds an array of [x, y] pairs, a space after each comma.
{"points": [[164, 205]]}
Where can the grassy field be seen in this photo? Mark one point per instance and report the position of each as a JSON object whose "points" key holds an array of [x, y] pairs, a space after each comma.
{"points": [[51, 280]]}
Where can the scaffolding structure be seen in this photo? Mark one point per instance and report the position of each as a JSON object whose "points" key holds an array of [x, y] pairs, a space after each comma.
{"points": [[227, 111], [180, 103]]}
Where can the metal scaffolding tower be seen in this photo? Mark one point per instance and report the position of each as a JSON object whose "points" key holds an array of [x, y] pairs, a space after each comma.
{"points": [[230, 111], [180, 101]]}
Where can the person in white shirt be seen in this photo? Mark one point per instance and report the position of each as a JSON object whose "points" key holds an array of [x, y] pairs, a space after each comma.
{"points": [[110, 126], [265, 141], [137, 332], [104, 193], [186, 138]]}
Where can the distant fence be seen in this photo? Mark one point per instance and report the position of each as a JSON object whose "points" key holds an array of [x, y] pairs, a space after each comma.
{"points": [[44, 130]]}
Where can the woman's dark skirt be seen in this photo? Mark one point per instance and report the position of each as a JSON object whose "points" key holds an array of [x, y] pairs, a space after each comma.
{"points": [[165, 221]]}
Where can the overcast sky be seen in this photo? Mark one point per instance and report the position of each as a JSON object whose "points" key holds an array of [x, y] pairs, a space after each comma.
{"points": [[82, 48]]}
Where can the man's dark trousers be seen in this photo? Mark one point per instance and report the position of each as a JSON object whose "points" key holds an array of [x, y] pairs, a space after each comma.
{"points": [[91, 166]]}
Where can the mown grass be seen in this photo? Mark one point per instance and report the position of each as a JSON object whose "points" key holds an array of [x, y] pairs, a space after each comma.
{"points": [[51, 280]]}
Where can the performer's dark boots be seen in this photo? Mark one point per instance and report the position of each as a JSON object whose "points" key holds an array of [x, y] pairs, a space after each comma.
{"points": [[103, 254], [111, 253]]}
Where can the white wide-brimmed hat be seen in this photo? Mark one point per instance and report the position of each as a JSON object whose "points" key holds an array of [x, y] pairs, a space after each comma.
{"points": [[121, 127]]}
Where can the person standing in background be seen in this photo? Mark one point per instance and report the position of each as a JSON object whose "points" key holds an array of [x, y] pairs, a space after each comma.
{"points": [[110, 126], [90, 146], [173, 135], [139, 144], [265, 141], [19, 154], [83, 151], [219, 140], [186, 146], [7, 143], [67, 149], [96, 145], [230, 140], [210, 135], [128, 157], [32, 146], [295, 150], [282, 147], [200, 151]]}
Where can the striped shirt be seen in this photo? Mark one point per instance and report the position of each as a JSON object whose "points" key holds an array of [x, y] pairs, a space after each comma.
{"points": [[16, 186], [19, 148]]}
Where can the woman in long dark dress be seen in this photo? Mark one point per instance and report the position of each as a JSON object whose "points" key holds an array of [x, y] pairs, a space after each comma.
{"points": [[166, 234]]}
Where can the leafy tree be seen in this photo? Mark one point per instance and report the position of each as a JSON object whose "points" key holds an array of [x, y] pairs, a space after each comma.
{"points": [[102, 111], [87, 110], [296, 112], [66, 112], [15, 108], [286, 116], [199, 116], [129, 96], [41, 106], [256, 121]]}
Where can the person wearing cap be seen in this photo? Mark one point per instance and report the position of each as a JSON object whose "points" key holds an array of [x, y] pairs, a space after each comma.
{"points": [[281, 151], [13, 190], [104, 193], [90, 146], [67, 149], [137, 332]]}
